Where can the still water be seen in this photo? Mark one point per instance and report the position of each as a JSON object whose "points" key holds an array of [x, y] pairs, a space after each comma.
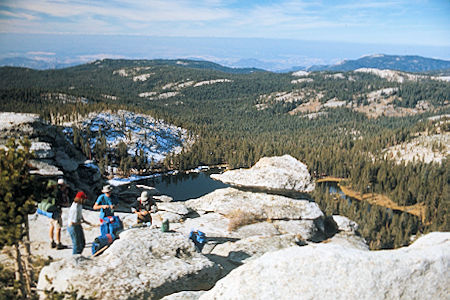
{"points": [[183, 186]]}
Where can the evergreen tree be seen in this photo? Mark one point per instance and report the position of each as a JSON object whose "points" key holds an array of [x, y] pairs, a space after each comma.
{"points": [[16, 202]]}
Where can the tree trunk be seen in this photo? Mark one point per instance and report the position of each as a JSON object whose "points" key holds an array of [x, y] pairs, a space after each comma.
{"points": [[27, 261], [19, 271]]}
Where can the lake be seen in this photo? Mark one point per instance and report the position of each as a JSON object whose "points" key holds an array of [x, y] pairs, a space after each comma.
{"points": [[184, 186]]}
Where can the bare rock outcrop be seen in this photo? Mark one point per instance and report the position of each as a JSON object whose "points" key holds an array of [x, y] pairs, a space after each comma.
{"points": [[331, 271], [143, 263], [279, 173], [345, 224], [186, 295], [55, 156], [243, 225], [253, 247], [222, 208], [262, 206]]}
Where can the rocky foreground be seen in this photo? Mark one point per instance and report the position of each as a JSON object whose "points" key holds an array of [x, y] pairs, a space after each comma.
{"points": [[259, 246], [330, 271]]}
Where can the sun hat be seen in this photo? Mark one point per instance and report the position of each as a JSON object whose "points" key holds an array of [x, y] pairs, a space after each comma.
{"points": [[81, 195], [61, 181], [144, 196], [107, 189]]}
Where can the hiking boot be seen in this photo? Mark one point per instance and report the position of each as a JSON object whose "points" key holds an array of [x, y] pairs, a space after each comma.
{"points": [[60, 246], [53, 244]]}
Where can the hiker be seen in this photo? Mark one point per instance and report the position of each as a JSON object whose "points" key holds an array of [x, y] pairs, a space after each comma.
{"points": [[62, 192], [74, 221], [145, 206], [56, 221], [105, 203]]}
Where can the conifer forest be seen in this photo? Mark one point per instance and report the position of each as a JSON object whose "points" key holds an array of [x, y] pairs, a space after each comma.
{"points": [[237, 116]]}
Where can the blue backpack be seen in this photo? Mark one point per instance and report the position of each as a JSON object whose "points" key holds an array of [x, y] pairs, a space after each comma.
{"points": [[112, 225], [199, 239], [101, 241]]}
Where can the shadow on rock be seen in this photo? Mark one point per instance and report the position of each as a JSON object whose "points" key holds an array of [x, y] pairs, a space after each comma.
{"points": [[226, 265], [327, 228]]}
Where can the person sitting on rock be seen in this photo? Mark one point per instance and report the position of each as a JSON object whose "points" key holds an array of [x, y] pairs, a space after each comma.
{"points": [[145, 206], [105, 203], [74, 221]]}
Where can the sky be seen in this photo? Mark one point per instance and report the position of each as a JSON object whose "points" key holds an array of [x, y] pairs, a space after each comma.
{"points": [[413, 23]]}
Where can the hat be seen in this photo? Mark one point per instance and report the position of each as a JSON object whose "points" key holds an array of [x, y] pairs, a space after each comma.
{"points": [[107, 189], [61, 181], [144, 196], [81, 195]]}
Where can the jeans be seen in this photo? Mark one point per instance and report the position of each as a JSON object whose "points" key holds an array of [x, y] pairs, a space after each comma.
{"points": [[77, 236]]}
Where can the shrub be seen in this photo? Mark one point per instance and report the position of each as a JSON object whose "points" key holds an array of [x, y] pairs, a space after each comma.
{"points": [[238, 218]]}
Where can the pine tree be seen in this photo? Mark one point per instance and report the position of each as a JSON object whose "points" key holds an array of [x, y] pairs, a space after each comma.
{"points": [[16, 202]]}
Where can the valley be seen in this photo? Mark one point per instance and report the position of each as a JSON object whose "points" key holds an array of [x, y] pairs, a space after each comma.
{"points": [[359, 124]]}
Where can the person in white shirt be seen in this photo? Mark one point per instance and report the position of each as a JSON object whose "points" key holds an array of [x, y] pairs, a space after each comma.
{"points": [[74, 221]]}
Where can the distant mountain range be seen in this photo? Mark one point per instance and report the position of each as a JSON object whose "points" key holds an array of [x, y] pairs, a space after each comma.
{"points": [[39, 64], [33, 63], [406, 63], [244, 66]]}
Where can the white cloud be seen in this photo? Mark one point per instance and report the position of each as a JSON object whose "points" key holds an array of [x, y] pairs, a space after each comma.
{"points": [[41, 53], [371, 4], [145, 11], [296, 19], [10, 14]]}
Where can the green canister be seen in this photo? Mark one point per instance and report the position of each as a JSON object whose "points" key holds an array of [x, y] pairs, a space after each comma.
{"points": [[165, 226]]}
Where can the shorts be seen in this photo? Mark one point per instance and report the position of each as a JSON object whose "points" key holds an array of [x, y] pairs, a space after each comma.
{"points": [[57, 223]]}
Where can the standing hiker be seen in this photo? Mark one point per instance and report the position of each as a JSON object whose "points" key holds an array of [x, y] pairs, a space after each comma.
{"points": [[74, 221], [62, 193], [145, 205], [105, 203], [56, 222]]}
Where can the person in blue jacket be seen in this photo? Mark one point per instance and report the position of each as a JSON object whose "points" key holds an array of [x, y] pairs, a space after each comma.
{"points": [[105, 203]]}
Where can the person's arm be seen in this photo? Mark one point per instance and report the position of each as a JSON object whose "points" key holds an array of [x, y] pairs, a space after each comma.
{"points": [[84, 221], [99, 206]]}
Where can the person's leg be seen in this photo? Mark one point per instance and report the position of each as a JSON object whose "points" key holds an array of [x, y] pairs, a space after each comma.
{"points": [[80, 238], [73, 236], [50, 234], [58, 225], [58, 235], [83, 241]]}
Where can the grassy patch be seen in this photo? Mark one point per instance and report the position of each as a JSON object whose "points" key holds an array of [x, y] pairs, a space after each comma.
{"points": [[239, 218]]}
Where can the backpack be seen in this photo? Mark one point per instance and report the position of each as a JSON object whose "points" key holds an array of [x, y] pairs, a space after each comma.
{"points": [[48, 208], [111, 225], [199, 239], [44, 213], [101, 242], [47, 205]]}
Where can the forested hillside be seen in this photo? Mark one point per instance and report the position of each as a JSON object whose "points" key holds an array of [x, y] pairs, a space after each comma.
{"points": [[408, 63], [339, 124]]}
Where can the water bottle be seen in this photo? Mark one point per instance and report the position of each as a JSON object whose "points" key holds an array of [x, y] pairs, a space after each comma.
{"points": [[165, 226]]}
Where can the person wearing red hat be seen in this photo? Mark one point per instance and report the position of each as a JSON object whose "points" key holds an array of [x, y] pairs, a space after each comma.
{"points": [[74, 221]]}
